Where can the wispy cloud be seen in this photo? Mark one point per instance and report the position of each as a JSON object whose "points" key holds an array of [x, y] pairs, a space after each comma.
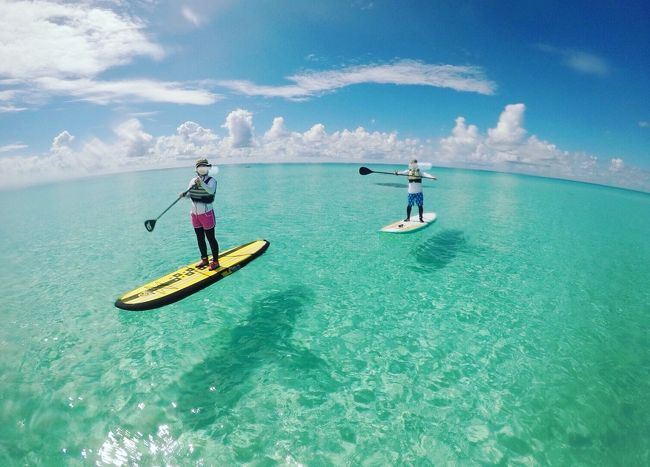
{"points": [[363, 4], [644, 124], [7, 95], [11, 108], [105, 92], [191, 16], [579, 60], [12, 147], [587, 63], [143, 114], [403, 72]]}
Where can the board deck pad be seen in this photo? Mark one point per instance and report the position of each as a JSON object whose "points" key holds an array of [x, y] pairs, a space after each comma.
{"points": [[189, 279], [412, 224]]}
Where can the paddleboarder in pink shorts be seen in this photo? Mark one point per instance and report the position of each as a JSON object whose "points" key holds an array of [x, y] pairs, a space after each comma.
{"points": [[201, 191]]}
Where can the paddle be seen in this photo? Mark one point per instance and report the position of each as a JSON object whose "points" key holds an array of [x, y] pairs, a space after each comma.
{"points": [[367, 171], [151, 223]]}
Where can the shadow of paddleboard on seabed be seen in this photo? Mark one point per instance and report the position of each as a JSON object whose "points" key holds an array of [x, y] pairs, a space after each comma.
{"points": [[214, 387], [439, 250], [393, 185]]}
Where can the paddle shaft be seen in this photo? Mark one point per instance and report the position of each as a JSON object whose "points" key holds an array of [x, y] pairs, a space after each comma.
{"points": [[393, 173], [170, 206], [151, 223]]}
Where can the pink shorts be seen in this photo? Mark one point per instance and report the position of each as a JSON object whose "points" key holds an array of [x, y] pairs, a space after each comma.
{"points": [[205, 221]]}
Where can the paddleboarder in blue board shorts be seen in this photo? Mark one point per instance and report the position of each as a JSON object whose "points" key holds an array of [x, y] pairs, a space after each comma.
{"points": [[415, 195], [201, 191]]}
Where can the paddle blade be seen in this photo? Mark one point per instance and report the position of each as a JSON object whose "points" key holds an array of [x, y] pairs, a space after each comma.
{"points": [[150, 224], [364, 170]]}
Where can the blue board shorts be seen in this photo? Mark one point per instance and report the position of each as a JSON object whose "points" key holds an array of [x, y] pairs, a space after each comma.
{"points": [[416, 198]]}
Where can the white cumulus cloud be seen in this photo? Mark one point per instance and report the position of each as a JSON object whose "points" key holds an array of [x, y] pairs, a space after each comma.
{"points": [[507, 146], [191, 141], [315, 133], [509, 132], [277, 130], [239, 124], [134, 141], [507, 143], [62, 142], [463, 142], [616, 164]]}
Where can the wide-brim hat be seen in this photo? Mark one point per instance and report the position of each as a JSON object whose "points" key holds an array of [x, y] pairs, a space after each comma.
{"points": [[202, 162]]}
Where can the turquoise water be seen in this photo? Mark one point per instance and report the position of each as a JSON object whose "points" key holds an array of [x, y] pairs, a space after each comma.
{"points": [[513, 331]]}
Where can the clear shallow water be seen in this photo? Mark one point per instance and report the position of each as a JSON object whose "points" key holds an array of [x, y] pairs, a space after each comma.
{"points": [[515, 330]]}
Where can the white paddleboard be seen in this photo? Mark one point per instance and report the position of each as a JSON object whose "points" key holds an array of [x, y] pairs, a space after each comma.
{"points": [[412, 224]]}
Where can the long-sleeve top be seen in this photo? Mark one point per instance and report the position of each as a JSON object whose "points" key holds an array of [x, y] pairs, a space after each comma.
{"points": [[210, 187], [415, 187]]}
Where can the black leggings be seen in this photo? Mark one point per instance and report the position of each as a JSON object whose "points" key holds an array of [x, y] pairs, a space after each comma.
{"points": [[201, 233], [408, 211]]}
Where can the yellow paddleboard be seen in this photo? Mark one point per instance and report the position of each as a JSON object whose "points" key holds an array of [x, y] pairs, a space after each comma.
{"points": [[189, 279], [412, 224]]}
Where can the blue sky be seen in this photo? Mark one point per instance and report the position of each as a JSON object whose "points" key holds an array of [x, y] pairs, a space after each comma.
{"points": [[549, 88]]}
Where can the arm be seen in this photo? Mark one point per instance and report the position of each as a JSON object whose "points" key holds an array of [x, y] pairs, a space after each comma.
{"points": [[401, 172], [428, 175], [184, 193], [210, 187]]}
